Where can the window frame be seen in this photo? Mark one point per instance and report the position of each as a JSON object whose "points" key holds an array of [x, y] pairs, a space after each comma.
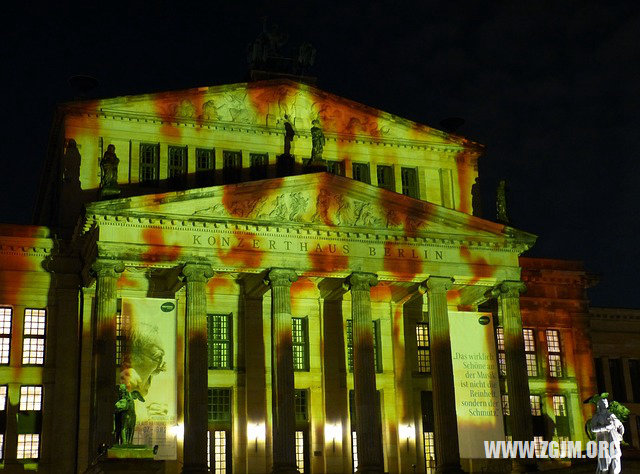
{"points": [[6, 336], [228, 341], [423, 349], [258, 171], [154, 167], [555, 354], [304, 344], [391, 185], [406, 187], [530, 352], [183, 168], [501, 352], [38, 337], [231, 174], [335, 165], [356, 165]]}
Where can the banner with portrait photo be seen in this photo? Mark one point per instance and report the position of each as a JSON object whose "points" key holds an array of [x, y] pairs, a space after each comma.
{"points": [[147, 342]]}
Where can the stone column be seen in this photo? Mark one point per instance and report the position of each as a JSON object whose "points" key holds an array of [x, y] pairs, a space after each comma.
{"points": [[508, 294], [195, 276], [284, 424], [106, 273], [444, 398], [368, 429]]}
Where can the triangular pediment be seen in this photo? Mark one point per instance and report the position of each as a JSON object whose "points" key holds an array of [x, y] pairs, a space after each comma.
{"points": [[313, 201], [265, 104]]}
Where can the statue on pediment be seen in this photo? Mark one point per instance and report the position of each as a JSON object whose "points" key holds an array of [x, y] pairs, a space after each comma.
{"points": [[317, 163], [501, 202], [109, 168], [289, 133], [476, 200]]}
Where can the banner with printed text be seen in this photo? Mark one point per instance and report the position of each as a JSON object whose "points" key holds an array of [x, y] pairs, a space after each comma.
{"points": [[147, 341], [477, 389]]}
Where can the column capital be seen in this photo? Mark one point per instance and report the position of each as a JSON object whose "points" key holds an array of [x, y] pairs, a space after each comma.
{"points": [[106, 268], [436, 284], [192, 272], [281, 277], [508, 289], [361, 281]]}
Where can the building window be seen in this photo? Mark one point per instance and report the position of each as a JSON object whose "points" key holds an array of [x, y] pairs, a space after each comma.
{"points": [[409, 182], [335, 167], [385, 177], [3, 397], [149, 162], [559, 405], [299, 342], [300, 451], [219, 404], [530, 352], [258, 163], [555, 359], [536, 405], [34, 336], [30, 398], [506, 411], [376, 352], [422, 341], [429, 452], [122, 327], [177, 162], [28, 446], [219, 445], [231, 166], [205, 166], [428, 423], [502, 359], [219, 341], [301, 406], [354, 449], [361, 172], [5, 335]]}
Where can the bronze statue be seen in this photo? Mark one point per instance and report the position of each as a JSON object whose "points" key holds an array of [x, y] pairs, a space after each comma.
{"points": [[501, 202], [125, 415], [289, 133], [476, 200], [109, 167], [317, 140]]}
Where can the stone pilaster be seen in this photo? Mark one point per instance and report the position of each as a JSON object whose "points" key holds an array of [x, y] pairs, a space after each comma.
{"points": [[444, 399], [284, 425], [368, 429], [106, 273], [195, 276], [508, 294]]}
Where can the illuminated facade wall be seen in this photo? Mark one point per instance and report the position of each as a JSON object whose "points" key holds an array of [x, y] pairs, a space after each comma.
{"points": [[397, 204]]}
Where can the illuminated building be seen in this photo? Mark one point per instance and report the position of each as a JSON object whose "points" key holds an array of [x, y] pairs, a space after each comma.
{"points": [[356, 317]]}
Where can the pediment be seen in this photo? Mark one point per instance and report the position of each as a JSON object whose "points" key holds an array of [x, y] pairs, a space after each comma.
{"points": [[314, 201], [265, 104]]}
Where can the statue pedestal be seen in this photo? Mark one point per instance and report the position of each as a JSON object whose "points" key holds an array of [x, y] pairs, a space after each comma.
{"points": [[128, 459], [109, 192]]}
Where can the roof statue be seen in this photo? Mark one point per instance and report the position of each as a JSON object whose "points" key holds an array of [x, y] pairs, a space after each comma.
{"points": [[501, 202]]}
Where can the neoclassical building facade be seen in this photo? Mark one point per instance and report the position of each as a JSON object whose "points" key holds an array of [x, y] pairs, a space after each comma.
{"points": [[273, 317]]}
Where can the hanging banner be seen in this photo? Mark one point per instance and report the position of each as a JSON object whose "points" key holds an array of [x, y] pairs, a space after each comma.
{"points": [[147, 341], [475, 375]]}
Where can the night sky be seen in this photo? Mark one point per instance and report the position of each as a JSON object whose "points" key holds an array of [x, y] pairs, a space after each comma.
{"points": [[550, 87]]}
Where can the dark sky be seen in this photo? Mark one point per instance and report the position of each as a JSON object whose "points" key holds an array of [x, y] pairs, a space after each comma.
{"points": [[550, 87]]}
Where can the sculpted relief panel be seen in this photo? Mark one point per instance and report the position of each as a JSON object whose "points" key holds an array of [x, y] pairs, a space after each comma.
{"points": [[324, 207]]}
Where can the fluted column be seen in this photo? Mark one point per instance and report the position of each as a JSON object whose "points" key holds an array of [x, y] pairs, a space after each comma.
{"points": [[195, 276], [368, 427], [444, 397], [508, 294], [106, 273], [284, 424]]}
